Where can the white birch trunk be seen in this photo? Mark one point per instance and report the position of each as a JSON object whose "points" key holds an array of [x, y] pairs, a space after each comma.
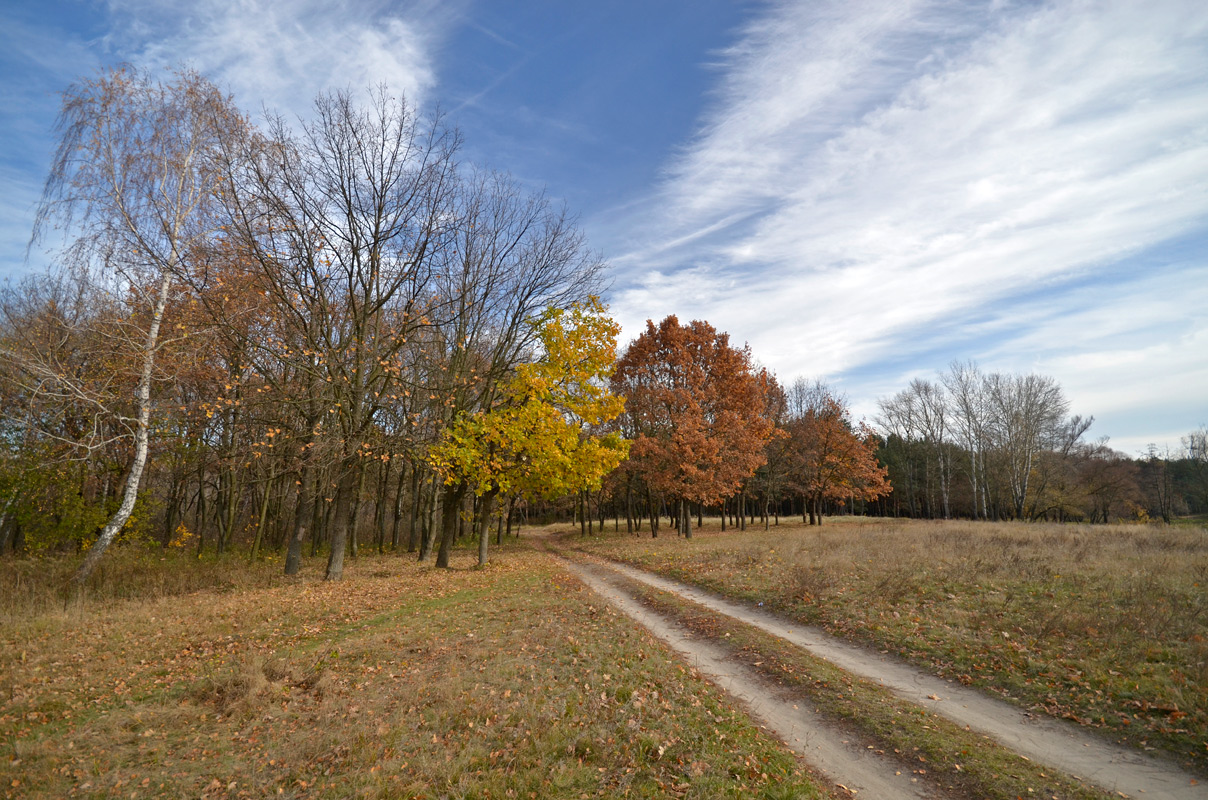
{"points": [[142, 439]]}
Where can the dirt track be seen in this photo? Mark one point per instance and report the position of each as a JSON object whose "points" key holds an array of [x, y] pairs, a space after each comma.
{"points": [[1047, 741]]}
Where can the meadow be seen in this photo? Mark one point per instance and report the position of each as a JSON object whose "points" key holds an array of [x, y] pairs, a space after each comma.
{"points": [[399, 681], [1103, 625], [179, 677]]}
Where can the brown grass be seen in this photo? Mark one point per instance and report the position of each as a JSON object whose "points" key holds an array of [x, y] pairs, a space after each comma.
{"points": [[1106, 625], [920, 741], [400, 681], [35, 585]]}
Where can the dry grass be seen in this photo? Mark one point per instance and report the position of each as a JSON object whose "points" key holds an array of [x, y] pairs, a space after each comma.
{"points": [[400, 681], [30, 586], [921, 742], [1106, 625]]}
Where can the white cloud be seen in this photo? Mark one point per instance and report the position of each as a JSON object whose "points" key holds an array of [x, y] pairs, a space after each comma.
{"points": [[282, 54], [879, 181]]}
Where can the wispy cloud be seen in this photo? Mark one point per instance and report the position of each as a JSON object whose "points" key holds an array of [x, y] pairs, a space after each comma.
{"points": [[282, 54], [870, 172]]}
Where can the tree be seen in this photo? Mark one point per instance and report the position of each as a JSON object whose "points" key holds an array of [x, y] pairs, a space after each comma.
{"points": [[834, 459], [967, 398], [916, 420], [1195, 451], [1026, 417], [544, 435], [1158, 483], [696, 409], [134, 179], [772, 478]]}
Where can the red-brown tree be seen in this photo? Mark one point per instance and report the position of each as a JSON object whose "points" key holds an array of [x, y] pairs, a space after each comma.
{"points": [[834, 459], [695, 410]]}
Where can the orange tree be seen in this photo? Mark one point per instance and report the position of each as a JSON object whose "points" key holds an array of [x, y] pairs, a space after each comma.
{"points": [[696, 408], [833, 459]]}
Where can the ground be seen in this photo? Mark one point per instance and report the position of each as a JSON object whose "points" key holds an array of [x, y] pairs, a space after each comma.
{"points": [[517, 680]]}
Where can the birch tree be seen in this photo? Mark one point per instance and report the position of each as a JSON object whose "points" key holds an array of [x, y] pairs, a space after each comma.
{"points": [[133, 186]]}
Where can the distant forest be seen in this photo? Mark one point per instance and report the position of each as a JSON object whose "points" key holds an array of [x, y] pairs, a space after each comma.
{"points": [[1002, 447]]}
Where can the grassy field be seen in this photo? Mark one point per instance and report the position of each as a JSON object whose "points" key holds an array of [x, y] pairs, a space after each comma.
{"points": [[921, 742], [1105, 625], [400, 681]]}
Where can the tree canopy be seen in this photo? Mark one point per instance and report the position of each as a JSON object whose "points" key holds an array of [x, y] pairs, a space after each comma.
{"points": [[695, 408]]}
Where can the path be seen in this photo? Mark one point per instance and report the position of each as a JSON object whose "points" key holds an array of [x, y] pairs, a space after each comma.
{"points": [[792, 720], [1044, 740]]}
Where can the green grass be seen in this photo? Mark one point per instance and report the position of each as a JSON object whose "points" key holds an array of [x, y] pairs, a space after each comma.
{"points": [[1105, 625], [400, 681]]}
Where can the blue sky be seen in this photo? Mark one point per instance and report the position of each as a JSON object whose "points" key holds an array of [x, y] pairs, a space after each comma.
{"points": [[863, 191]]}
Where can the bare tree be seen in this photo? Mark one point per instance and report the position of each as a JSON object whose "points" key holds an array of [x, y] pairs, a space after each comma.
{"points": [[133, 183], [916, 420], [1027, 416], [968, 399]]}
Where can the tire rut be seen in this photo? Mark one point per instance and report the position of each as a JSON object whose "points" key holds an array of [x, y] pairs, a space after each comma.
{"points": [[829, 751], [1048, 741]]}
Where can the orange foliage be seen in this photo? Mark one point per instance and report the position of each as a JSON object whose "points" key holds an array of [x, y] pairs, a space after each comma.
{"points": [[694, 409]]}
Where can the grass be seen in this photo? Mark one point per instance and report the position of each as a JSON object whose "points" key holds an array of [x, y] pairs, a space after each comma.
{"points": [[400, 681], [922, 743], [1105, 625], [35, 585]]}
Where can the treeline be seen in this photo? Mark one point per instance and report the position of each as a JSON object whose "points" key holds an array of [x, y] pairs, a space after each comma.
{"points": [[1003, 446], [713, 432], [256, 335], [316, 337]]}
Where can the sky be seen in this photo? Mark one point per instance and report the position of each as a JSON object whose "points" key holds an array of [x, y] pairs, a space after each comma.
{"points": [[864, 192]]}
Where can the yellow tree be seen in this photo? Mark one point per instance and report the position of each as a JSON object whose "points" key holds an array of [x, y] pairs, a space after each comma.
{"points": [[541, 439]]}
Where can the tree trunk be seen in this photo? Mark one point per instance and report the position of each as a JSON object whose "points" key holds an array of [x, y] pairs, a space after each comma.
{"points": [[5, 528], [379, 506], [230, 492], [451, 501], [268, 493], [417, 496], [174, 497], [349, 479], [427, 533], [485, 507], [320, 514], [398, 509], [142, 440], [303, 512], [354, 511], [654, 517]]}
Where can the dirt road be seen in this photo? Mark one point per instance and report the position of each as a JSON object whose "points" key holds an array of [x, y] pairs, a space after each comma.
{"points": [[1047, 741]]}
